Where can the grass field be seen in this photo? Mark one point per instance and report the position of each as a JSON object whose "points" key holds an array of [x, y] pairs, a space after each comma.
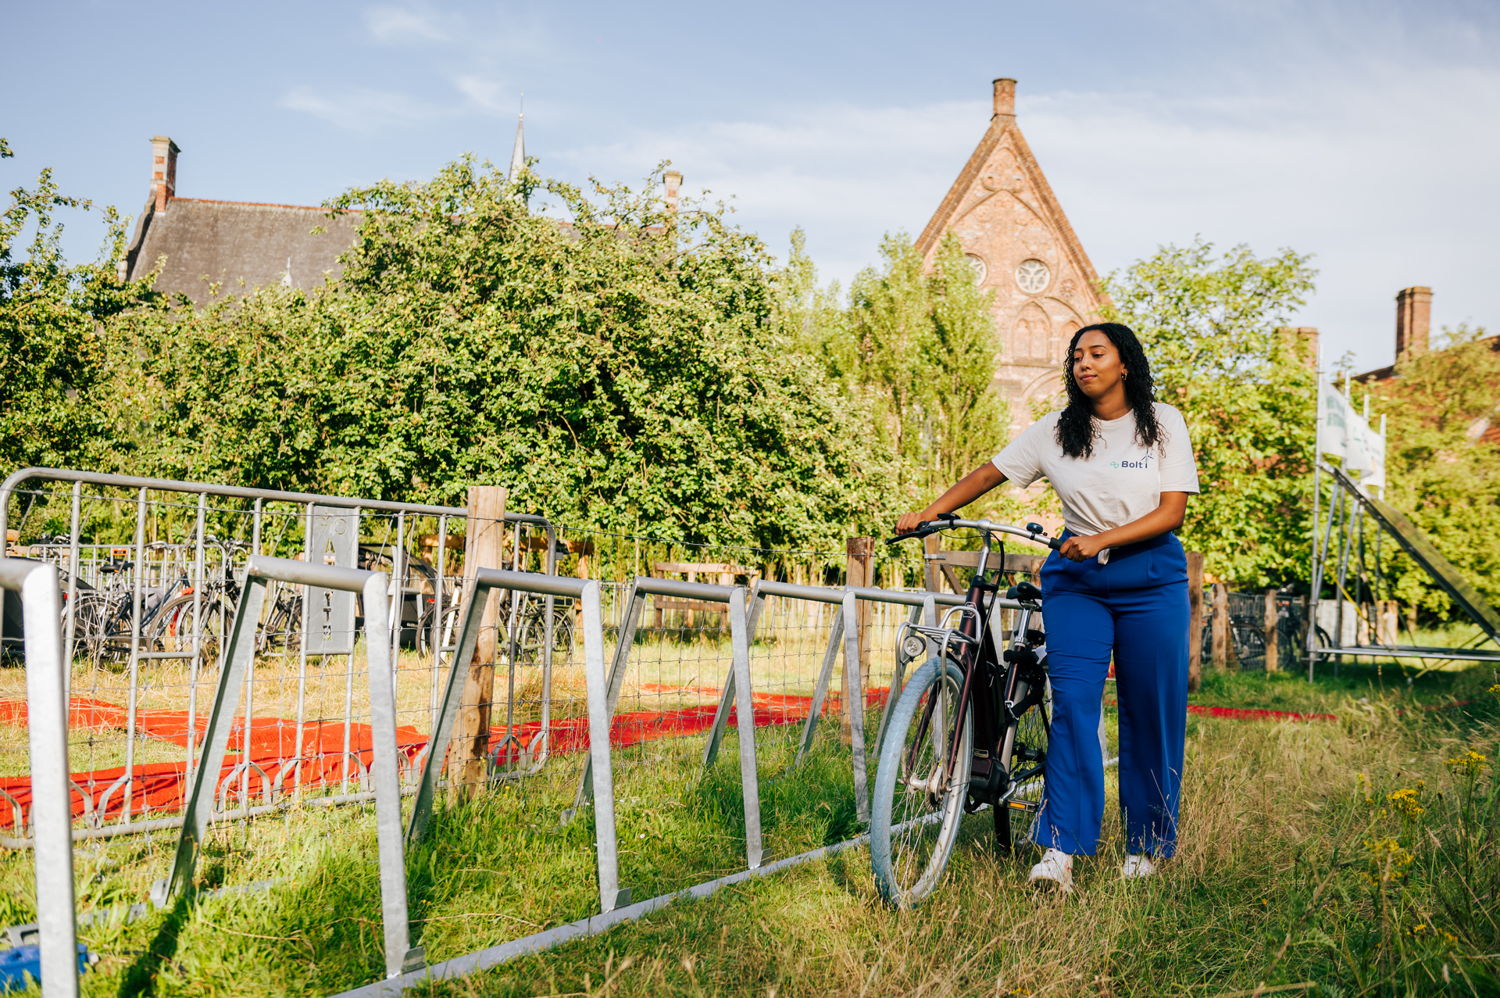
{"points": [[1353, 857]]}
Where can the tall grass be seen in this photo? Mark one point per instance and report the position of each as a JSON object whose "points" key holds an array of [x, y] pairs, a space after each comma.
{"points": [[1356, 857]]}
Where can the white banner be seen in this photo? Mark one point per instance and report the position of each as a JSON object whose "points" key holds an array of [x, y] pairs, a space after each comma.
{"points": [[1346, 435]]}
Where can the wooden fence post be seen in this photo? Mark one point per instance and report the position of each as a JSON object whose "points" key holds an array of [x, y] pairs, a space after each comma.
{"points": [[484, 547], [1386, 622], [931, 544], [1273, 640], [1220, 636], [1195, 619], [860, 572]]}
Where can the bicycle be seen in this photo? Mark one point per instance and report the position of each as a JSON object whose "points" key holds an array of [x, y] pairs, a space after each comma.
{"points": [[106, 618], [969, 728]]}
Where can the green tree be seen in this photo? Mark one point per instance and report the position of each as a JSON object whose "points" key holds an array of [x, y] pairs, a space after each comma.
{"points": [[1441, 470], [1210, 324], [51, 349], [621, 368], [919, 350]]}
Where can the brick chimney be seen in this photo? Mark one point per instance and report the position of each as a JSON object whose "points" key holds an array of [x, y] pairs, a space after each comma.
{"points": [[163, 171], [1005, 97], [1413, 322], [672, 181]]}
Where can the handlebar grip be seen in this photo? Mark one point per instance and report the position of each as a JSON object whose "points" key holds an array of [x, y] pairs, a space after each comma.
{"points": [[923, 529], [1055, 543]]}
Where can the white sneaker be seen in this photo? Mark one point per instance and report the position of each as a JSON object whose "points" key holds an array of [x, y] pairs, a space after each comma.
{"points": [[1055, 872], [1137, 865]]}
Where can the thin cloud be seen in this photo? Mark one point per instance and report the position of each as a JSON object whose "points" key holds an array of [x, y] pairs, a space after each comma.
{"points": [[487, 94], [403, 25], [362, 109]]}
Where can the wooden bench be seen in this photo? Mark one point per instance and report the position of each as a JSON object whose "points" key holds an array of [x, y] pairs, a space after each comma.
{"points": [[713, 572], [942, 565]]}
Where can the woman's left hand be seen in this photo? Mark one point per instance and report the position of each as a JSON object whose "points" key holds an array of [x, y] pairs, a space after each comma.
{"points": [[1081, 548]]}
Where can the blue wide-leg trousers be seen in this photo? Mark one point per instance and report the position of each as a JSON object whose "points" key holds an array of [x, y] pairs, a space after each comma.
{"points": [[1134, 608]]}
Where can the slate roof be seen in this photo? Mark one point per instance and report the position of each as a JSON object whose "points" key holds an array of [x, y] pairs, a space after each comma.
{"points": [[239, 244]]}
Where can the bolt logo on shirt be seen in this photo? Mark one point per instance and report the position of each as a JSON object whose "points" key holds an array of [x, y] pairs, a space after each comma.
{"points": [[1144, 463]]}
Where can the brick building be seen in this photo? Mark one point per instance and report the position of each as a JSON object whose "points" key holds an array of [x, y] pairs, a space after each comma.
{"points": [[1013, 229], [1414, 338]]}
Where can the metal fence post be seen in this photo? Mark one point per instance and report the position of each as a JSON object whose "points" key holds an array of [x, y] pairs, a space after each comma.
{"points": [[215, 738], [744, 710], [634, 603], [51, 795], [602, 775], [854, 697], [386, 774]]}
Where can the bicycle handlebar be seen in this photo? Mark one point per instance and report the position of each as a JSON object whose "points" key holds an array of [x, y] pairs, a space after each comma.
{"points": [[947, 521]]}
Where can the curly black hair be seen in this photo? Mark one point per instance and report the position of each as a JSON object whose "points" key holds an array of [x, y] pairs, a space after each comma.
{"points": [[1075, 427]]}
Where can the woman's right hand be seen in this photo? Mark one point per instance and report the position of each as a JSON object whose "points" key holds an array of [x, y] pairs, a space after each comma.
{"points": [[908, 522]]}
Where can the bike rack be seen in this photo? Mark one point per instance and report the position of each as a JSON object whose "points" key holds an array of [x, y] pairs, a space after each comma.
{"points": [[374, 588], [845, 630], [51, 810], [600, 769], [739, 636]]}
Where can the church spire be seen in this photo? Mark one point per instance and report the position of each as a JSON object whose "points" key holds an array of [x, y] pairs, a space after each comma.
{"points": [[518, 154]]}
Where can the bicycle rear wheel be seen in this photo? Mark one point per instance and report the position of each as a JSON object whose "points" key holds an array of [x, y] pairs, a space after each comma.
{"points": [[1028, 768], [182, 621], [919, 794]]}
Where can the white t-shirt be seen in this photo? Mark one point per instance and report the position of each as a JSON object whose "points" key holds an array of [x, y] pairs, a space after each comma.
{"points": [[1119, 482]]}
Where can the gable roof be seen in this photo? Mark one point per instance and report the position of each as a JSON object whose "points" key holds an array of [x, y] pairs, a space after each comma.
{"points": [[228, 242], [1005, 132]]}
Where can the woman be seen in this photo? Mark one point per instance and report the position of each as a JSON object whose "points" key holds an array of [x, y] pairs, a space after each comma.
{"points": [[1123, 467]]}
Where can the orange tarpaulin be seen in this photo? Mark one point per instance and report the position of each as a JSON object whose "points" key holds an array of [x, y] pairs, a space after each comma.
{"points": [[162, 786]]}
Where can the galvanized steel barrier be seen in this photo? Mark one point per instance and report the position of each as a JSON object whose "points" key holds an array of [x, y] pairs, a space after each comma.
{"points": [[374, 587], [734, 598], [150, 572], [601, 773]]}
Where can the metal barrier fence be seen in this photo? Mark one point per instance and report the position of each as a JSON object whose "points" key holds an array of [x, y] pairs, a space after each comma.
{"points": [[152, 571], [206, 775]]}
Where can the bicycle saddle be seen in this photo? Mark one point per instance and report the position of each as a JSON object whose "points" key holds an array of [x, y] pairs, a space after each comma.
{"points": [[1025, 592]]}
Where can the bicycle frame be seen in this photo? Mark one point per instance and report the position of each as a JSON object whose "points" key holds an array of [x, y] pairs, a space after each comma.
{"points": [[1008, 679]]}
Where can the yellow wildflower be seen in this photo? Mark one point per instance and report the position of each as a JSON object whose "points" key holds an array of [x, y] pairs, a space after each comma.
{"points": [[1388, 859], [1404, 801], [1469, 763]]}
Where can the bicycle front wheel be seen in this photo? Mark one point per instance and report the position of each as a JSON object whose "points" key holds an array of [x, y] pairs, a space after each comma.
{"points": [[919, 791]]}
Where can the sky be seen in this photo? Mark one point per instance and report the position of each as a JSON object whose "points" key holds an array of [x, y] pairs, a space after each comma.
{"points": [[1364, 133]]}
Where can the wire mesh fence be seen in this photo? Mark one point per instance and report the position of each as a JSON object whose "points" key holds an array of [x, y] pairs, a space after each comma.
{"points": [[151, 575]]}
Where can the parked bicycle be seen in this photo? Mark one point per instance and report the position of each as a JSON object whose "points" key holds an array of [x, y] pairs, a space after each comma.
{"points": [[105, 619], [968, 730], [1247, 630]]}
